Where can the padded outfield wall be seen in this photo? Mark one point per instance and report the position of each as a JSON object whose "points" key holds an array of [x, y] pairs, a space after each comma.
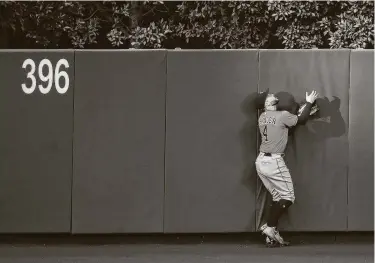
{"points": [[159, 141]]}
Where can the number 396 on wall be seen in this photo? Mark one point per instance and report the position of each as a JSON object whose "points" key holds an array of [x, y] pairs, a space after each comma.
{"points": [[53, 76]]}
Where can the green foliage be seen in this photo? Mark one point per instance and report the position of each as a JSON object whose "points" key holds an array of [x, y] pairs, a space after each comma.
{"points": [[311, 24], [47, 22], [141, 34], [216, 24], [354, 27], [224, 24], [151, 36], [82, 22], [298, 25]]}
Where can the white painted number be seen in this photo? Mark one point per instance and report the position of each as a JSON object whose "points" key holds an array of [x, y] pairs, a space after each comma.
{"points": [[30, 75], [59, 74], [48, 79]]}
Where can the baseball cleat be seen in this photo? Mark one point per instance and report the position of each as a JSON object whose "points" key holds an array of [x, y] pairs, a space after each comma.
{"points": [[270, 242], [273, 235], [268, 231], [279, 239]]}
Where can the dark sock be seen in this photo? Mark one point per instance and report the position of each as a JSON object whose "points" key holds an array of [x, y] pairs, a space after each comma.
{"points": [[277, 210], [273, 216]]}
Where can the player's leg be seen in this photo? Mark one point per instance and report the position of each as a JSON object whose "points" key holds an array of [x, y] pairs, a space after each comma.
{"points": [[265, 167], [262, 167], [283, 196], [277, 210]]}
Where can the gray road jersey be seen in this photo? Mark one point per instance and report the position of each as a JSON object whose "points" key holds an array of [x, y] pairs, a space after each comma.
{"points": [[273, 127]]}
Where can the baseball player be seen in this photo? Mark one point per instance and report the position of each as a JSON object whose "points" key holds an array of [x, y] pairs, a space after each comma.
{"points": [[273, 126]]}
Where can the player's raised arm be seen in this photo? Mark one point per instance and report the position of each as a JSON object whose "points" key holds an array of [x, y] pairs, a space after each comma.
{"points": [[310, 99], [290, 120]]}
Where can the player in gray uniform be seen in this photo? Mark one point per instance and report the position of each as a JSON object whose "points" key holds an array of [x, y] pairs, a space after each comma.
{"points": [[271, 168]]}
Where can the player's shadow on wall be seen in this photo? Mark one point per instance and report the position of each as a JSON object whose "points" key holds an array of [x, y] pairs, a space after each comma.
{"points": [[327, 123], [248, 135]]}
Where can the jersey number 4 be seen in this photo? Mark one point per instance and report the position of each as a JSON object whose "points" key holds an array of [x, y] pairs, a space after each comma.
{"points": [[265, 133]]}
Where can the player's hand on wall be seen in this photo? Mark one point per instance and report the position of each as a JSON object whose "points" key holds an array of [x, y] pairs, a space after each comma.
{"points": [[312, 97]]}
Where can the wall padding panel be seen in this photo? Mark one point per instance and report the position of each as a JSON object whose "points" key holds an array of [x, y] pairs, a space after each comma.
{"points": [[119, 131], [35, 145], [361, 142], [211, 141], [317, 153]]}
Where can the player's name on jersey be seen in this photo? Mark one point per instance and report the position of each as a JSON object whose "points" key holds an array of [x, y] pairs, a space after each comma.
{"points": [[267, 120]]}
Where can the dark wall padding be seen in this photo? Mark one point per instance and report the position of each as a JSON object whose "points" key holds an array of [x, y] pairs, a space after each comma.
{"points": [[317, 154], [35, 147], [119, 128], [211, 141], [361, 142]]}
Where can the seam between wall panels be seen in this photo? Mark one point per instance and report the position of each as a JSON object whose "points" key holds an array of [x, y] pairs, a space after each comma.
{"points": [[257, 143], [348, 138], [72, 174], [165, 137]]}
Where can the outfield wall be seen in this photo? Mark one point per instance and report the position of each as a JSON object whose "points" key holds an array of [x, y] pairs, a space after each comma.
{"points": [[159, 141]]}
